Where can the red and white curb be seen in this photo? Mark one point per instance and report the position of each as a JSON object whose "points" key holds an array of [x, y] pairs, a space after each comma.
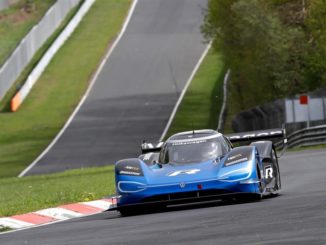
{"points": [[50, 215]]}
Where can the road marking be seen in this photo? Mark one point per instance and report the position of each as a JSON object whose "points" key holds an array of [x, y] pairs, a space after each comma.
{"points": [[131, 11], [184, 91]]}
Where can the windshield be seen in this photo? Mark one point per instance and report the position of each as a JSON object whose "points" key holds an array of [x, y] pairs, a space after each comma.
{"points": [[191, 151]]}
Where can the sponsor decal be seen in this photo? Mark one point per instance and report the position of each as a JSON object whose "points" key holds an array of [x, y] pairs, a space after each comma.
{"points": [[239, 155], [132, 168], [234, 157], [189, 142], [129, 173], [189, 171], [268, 172], [244, 159], [128, 167]]}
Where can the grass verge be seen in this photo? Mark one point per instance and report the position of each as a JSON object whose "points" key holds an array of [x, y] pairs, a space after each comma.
{"points": [[202, 102], [22, 195], [6, 101], [17, 21], [26, 133], [4, 229]]}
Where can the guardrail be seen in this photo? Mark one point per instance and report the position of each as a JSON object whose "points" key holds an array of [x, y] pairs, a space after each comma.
{"points": [[29, 45], [32, 78], [306, 137]]}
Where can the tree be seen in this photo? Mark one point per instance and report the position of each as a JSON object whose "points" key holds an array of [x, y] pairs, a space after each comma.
{"points": [[254, 44], [275, 48], [316, 29]]}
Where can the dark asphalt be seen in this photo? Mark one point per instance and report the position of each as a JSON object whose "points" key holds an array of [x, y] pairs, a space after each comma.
{"points": [[137, 88], [298, 216]]}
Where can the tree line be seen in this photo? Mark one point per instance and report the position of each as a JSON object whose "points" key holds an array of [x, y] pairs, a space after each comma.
{"points": [[275, 48]]}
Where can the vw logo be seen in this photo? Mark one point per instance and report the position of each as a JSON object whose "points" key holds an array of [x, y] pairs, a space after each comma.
{"points": [[182, 184]]}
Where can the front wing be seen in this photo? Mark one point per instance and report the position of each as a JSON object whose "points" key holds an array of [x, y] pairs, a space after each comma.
{"points": [[185, 192]]}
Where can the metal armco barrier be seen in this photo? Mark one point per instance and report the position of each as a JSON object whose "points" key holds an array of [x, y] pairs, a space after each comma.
{"points": [[20, 96], [27, 48], [284, 111], [307, 137]]}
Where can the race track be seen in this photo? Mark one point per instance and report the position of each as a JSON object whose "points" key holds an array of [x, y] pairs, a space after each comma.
{"points": [[298, 216], [135, 92]]}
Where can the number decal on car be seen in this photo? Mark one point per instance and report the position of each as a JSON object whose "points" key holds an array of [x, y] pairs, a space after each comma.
{"points": [[188, 171]]}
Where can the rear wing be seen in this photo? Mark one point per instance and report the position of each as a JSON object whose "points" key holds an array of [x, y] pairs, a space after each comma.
{"points": [[257, 135], [260, 135], [150, 147]]}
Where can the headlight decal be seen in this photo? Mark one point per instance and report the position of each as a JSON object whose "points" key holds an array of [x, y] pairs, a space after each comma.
{"points": [[130, 186]]}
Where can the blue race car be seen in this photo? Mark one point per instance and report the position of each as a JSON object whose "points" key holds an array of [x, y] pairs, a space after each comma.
{"points": [[198, 166]]}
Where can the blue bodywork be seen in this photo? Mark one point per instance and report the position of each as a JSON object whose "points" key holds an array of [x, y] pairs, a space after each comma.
{"points": [[138, 182]]}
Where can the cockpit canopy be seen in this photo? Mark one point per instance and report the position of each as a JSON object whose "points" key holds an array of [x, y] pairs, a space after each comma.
{"points": [[194, 147]]}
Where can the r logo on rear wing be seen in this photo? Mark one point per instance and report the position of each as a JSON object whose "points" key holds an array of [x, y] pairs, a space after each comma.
{"points": [[257, 135]]}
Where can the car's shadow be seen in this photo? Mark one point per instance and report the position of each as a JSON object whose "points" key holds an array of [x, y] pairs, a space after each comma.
{"points": [[192, 206]]}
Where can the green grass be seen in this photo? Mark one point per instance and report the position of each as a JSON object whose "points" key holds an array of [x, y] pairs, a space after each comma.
{"points": [[26, 133], [4, 229], [5, 102], [202, 102], [15, 23], [22, 195]]}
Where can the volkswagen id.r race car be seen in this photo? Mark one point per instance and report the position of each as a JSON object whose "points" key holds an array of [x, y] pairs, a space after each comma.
{"points": [[198, 166]]}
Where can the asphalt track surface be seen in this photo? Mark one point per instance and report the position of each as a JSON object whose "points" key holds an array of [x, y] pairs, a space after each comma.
{"points": [[298, 216], [135, 92]]}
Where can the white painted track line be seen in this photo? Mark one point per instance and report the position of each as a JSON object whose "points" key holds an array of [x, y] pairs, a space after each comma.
{"points": [[175, 109], [132, 8]]}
